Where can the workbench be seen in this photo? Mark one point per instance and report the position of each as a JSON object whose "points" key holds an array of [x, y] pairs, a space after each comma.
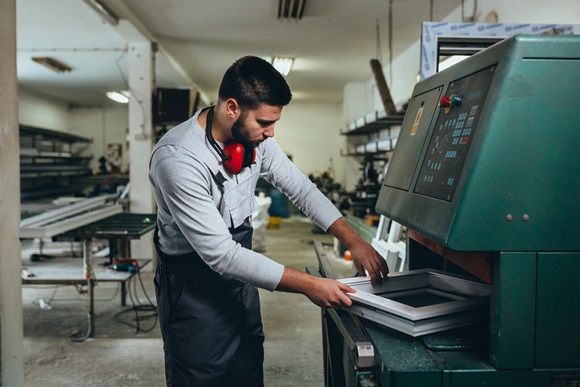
{"points": [[118, 229], [66, 271], [69, 271]]}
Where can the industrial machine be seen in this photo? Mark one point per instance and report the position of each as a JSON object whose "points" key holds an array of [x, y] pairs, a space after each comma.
{"points": [[486, 178]]}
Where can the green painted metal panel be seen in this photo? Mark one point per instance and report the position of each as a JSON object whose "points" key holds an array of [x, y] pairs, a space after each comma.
{"points": [[405, 361], [526, 164], [512, 311], [365, 231], [501, 379], [558, 311], [518, 181]]}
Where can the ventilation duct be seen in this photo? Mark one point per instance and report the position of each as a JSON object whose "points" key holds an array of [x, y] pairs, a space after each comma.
{"points": [[291, 9]]}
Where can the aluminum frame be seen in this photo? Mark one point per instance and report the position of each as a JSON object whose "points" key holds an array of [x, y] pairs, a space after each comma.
{"points": [[468, 301]]}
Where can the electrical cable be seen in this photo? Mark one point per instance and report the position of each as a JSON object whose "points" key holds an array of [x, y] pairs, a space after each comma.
{"points": [[142, 312], [133, 93], [391, 42]]}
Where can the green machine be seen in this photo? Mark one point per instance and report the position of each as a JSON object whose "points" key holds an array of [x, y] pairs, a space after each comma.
{"points": [[486, 179]]}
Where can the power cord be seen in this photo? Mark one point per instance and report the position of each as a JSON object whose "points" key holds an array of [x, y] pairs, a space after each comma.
{"points": [[142, 311]]}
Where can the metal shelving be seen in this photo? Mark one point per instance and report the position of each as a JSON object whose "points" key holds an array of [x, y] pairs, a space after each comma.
{"points": [[50, 162], [372, 125]]}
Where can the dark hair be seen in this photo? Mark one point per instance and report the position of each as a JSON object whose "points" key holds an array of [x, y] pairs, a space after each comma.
{"points": [[251, 80]]}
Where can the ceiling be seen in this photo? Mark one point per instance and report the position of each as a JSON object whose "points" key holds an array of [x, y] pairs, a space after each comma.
{"points": [[332, 43]]}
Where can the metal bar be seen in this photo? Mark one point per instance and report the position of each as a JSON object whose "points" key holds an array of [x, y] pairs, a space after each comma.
{"points": [[348, 326], [69, 224], [91, 295], [325, 267], [63, 212], [383, 88]]}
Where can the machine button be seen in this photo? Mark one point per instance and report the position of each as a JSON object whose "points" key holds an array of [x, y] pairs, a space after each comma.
{"points": [[453, 99]]}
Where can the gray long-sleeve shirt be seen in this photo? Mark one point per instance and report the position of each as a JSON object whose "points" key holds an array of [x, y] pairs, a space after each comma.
{"points": [[194, 213]]}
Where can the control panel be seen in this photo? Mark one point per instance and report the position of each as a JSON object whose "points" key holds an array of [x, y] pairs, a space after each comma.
{"points": [[486, 159], [460, 107]]}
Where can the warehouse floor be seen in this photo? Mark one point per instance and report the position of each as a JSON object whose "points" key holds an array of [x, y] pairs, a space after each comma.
{"points": [[119, 356]]}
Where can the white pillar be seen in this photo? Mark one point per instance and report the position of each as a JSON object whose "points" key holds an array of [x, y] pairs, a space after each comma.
{"points": [[11, 367], [141, 61]]}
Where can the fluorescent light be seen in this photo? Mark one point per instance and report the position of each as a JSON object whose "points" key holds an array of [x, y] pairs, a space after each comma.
{"points": [[118, 96], [283, 65], [53, 64]]}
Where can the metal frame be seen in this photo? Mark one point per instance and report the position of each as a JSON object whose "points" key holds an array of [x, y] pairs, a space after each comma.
{"points": [[60, 220], [450, 38], [468, 301]]}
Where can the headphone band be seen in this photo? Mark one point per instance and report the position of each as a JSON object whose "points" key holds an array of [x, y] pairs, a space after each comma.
{"points": [[209, 136]]}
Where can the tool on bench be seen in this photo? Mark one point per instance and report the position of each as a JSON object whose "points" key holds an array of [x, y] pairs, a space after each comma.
{"points": [[124, 264]]}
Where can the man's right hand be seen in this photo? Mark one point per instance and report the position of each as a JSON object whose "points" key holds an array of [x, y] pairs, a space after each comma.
{"points": [[324, 292]]}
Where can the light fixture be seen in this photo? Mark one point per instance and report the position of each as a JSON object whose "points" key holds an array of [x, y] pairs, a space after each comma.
{"points": [[291, 9], [118, 96], [53, 64], [283, 65]]}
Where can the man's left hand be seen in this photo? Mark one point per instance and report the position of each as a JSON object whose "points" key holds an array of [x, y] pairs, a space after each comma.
{"points": [[365, 257]]}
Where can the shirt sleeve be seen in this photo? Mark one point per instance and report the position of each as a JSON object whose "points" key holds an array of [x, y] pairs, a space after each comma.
{"points": [[184, 184], [279, 170]]}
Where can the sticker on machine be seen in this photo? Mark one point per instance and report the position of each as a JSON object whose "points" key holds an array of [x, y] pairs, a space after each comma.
{"points": [[417, 120]]}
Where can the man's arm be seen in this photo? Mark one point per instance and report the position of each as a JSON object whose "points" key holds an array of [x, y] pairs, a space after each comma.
{"points": [[363, 254], [324, 292]]}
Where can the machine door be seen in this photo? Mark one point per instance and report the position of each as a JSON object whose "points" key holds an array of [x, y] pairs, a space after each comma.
{"points": [[412, 139]]}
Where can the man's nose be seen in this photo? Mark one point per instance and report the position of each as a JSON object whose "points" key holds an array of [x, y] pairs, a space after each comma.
{"points": [[269, 132]]}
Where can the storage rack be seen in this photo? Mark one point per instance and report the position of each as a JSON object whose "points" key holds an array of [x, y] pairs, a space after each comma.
{"points": [[369, 125], [51, 162]]}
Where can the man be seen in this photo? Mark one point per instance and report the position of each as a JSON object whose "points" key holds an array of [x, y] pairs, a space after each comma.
{"points": [[204, 173]]}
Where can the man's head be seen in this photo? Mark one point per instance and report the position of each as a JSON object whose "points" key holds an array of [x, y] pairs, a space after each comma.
{"points": [[257, 92], [251, 81]]}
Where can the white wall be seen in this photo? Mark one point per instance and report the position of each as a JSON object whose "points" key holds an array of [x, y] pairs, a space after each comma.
{"points": [[406, 64], [310, 134], [525, 11], [42, 111], [104, 126]]}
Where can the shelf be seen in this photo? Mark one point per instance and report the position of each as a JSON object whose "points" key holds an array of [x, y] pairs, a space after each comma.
{"points": [[29, 153], [50, 163], [379, 147], [372, 123], [52, 134]]}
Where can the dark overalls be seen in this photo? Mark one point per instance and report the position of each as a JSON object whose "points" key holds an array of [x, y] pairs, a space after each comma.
{"points": [[211, 325]]}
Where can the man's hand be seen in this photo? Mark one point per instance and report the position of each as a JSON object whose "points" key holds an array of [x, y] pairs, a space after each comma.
{"points": [[324, 292], [366, 257], [328, 293], [363, 254]]}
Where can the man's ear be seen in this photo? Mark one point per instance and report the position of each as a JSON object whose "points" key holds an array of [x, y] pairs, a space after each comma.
{"points": [[233, 110]]}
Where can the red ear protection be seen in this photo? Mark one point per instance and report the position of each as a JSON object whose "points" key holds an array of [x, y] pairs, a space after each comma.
{"points": [[237, 157], [234, 156]]}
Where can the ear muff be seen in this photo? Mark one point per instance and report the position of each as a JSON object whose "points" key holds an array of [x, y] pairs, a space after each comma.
{"points": [[234, 156], [237, 158]]}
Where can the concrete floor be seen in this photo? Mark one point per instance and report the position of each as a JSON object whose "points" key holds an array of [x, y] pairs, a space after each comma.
{"points": [[118, 356]]}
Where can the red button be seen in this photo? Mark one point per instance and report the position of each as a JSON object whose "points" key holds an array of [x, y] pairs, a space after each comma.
{"points": [[445, 101]]}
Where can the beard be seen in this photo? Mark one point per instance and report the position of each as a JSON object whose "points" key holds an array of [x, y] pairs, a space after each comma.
{"points": [[241, 134]]}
